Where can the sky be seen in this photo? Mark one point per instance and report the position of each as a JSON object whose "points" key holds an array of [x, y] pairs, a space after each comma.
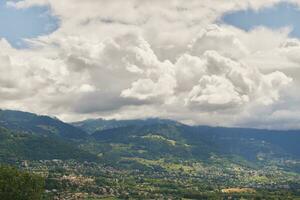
{"points": [[274, 17], [210, 62], [17, 25]]}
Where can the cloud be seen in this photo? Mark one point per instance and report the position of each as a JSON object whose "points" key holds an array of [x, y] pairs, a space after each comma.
{"points": [[214, 92], [229, 84], [167, 26], [16, 80], [134, 58], [221, 40], [115, 73], [291, 49]]}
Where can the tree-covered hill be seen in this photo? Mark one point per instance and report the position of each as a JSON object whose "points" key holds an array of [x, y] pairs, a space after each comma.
{"points": [[92, 125], [41, 125], [16, 146], [250, 142], [157, 141]]}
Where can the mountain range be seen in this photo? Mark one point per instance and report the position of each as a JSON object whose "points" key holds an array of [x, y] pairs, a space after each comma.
{"points": [[124, 142]]}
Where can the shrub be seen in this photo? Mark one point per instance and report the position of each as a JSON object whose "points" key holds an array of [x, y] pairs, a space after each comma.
{"points": [[18, 185]]}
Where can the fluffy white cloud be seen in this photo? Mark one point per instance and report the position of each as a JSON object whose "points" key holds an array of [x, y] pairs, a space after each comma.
{"points": [[226, 83], [291, 49], [215, 92], [140, 58], [218, 39]]}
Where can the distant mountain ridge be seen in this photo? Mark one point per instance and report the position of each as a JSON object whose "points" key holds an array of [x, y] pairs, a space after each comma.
{"points": [[43, 125], [199, 141], [93, 125], [242, 141]]}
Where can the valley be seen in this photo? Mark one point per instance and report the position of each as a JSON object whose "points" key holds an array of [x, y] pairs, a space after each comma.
{"points": [[151, 159]]}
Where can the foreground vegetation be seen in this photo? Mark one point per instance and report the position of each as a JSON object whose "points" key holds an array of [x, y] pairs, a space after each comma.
{"points": [[18, 185]]}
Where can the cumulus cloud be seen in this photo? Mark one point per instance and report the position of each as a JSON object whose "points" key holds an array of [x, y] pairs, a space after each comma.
{"points": [[218, 39], [290, 49], [115, 59], [214, 92], [230, 84]]}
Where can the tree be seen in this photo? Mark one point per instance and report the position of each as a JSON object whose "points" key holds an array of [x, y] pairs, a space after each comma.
{"points": [[18, 185]]}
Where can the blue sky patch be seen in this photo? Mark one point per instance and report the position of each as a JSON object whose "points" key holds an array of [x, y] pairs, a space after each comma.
{"points": [[278, 16], [17, 25]]}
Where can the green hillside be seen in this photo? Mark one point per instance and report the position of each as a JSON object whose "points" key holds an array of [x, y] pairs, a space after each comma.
{"points": [[203, 141], [17, 146], [41, 125], [92, 125]]}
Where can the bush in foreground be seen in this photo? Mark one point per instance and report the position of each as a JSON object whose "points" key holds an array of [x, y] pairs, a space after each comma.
{"points": [[18, 185]]}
